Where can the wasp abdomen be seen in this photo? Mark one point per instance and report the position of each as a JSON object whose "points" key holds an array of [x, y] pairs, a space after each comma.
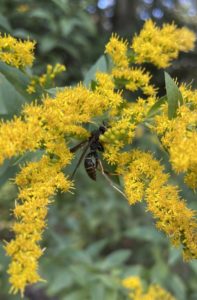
{"points": [[90, 164]]}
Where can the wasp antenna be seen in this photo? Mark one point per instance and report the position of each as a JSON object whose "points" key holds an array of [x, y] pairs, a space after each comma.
{"points": [[109, 180]]}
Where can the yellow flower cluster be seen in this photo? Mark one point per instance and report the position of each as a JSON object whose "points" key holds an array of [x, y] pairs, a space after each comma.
{"points": [[117, 49], [136, 291], [179, 136], [19, 136], [50, 126], [160, 46], [37, 182], [131, 78], [181, 139], [144, 178], [191, 177], [46, 80], [123, 127], [134, 79], [15, 52]]}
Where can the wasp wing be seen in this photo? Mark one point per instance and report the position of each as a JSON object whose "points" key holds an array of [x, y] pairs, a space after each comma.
{"points": [[78, 146], [81, 157]]}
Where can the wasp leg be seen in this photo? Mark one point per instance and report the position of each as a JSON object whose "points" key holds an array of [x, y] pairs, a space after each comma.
{"points": [[110, 174], [103, 172]]}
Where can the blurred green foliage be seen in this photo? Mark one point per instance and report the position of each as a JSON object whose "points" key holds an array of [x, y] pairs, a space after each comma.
{"points": [[64, 31], [93, 239]]}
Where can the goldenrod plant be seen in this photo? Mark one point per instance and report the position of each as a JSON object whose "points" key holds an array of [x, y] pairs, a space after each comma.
{"points": [[50, 127], [135, 289]]}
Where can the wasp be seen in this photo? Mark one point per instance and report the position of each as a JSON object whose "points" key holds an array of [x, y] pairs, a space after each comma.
{"points": [[91, 159]]}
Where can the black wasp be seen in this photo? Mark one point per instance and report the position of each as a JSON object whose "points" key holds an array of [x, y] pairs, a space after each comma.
{"points": [[91, 159]]}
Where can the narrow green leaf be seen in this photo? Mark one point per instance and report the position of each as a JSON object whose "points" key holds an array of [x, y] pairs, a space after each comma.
{"points": [[193, 266], [144, 233], [115, 259], [96, 247], [10, 99], [100, 65], [4, 23], [7, 171], [17, 78], [62, 280], [178, 287], [156, 107], [40, 14], [173, 95], [53, 91], [174, 256]]}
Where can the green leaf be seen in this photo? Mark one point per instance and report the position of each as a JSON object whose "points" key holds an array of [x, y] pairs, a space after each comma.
{"points": [[115, 259], [173, 95], [62, 280], [4, 23], [112, 295], [144, 233], [53, 91], [156, 107], [100, 65], [97, 291], [96, 247], [178, 287], [10, 99], [109, 279], [7, 171], [17, 78], [26, 157], [81, 274], [4, 259], [48, 43], [77, 295], [174, 256], [63, 5], [134, 270], [193, 266], [100, 291], [159, 271], [67, 26], [40, 14]]}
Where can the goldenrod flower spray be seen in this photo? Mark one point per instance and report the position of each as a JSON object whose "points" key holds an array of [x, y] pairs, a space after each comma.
{"points": [[51, 125]]}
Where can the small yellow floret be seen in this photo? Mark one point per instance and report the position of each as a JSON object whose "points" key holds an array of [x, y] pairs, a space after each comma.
{"points": [[117, 49], [136, 292], [15, 52], [160, 46]]}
